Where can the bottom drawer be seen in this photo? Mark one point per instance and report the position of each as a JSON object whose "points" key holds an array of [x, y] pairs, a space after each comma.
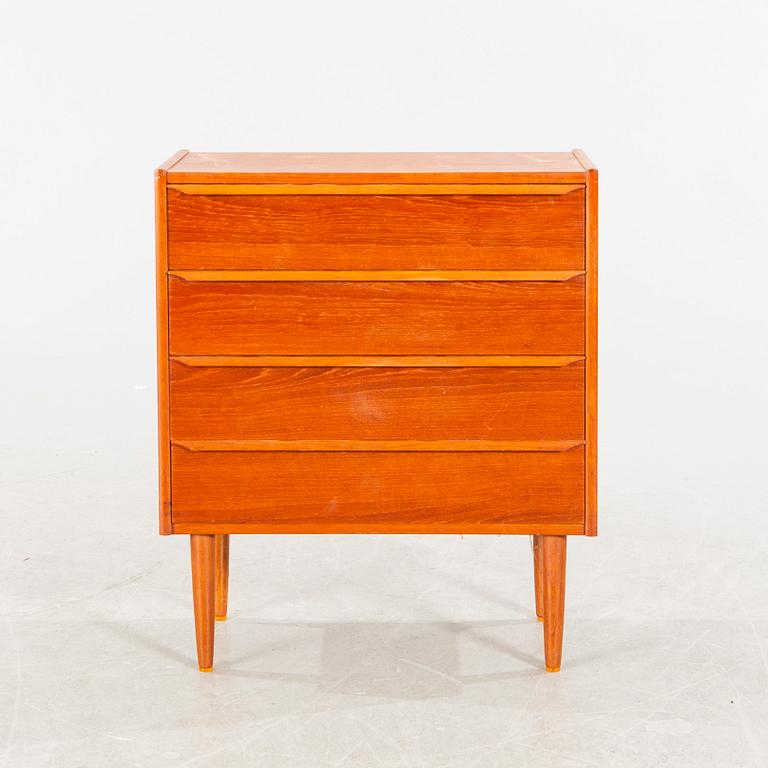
{"points": [[378, 491]]}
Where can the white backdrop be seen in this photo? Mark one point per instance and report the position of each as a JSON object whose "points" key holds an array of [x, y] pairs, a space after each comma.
{"points": [[667, 98]]}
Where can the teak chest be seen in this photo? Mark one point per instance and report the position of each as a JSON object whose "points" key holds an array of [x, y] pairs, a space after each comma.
{"points": [[377, 343]]}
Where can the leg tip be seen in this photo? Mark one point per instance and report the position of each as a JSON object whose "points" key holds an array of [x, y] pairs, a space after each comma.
{"points": [[553, 669], [539, 618], [221, 618], [206, 669]]}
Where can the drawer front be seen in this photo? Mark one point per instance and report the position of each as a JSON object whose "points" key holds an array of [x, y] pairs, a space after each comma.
{"points": [[382, 318], [379, 491], [263, 403], [231, 231]]}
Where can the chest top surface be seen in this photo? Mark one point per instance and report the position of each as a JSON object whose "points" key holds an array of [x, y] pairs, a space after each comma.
{"points": [[372, 167]]}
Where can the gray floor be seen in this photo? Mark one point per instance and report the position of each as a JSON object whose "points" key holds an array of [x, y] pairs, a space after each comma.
{"points": [[377, 651]]}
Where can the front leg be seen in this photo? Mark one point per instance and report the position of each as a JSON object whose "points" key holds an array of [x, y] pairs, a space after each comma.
{"points": [[203, 591], [553, 551]]}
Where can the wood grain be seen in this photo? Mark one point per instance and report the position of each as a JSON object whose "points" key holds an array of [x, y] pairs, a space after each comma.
{"points": [[377, 318], [362, 491], [521, 404], [591, 342], [377, 232], [382, 167]]}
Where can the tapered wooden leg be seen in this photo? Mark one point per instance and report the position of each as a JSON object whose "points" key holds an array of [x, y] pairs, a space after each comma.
{"points": [[202, 547], [222, 575], [553, 551], [538, 576]]}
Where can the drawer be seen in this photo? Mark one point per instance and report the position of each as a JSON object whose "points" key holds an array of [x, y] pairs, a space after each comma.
{"points": [[376, 231], [380, 318], [380, 491], [382, 403]]}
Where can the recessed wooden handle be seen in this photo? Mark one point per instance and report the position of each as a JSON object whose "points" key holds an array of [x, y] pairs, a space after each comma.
{"points": [[378, 445], [373, 275], [375, 189], [377, 361]]}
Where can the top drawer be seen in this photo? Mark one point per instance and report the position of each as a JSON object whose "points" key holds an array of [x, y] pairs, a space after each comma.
{"points": [[375, 231]]}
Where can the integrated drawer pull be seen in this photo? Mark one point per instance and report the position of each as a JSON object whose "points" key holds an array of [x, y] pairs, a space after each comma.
{"points": [[373, 275], [399, 446], [377, 361], [375, 189]]}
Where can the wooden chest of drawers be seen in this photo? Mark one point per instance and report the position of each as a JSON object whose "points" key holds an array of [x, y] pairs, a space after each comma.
{"points": [[377, 343]]}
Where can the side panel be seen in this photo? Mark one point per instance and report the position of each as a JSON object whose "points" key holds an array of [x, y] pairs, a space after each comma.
{"points": [[161, 299], [590, 521], [163, 405]]}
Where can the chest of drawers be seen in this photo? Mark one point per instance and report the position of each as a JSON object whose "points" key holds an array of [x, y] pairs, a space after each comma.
{"points": [[377, 343]]}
